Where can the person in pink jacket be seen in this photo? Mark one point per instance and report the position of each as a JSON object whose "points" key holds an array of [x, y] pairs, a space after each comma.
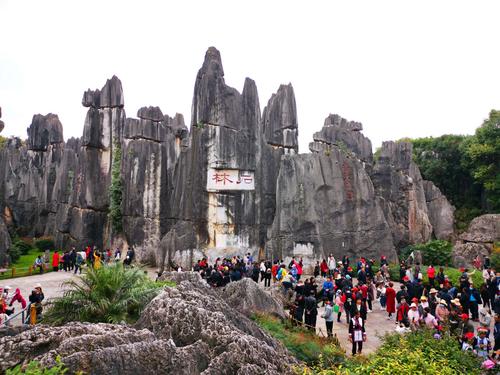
{"points": [[18, 298]]}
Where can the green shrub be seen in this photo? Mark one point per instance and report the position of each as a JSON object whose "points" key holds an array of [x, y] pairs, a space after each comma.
{"points": [[14, 254], [303, 344], [23, 246], [110, 294], [437, 252], [3, 142], [45, 243], [413, 353], [495, 261], [34, 368]]}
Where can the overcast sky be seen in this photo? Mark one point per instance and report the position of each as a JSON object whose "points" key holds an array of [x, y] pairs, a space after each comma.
{"points": [[403, 69]]}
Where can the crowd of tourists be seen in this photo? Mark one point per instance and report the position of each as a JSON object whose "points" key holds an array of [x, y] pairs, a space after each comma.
{"points": [[350, 291], [67, 261], [73, 260], [9, 299]]}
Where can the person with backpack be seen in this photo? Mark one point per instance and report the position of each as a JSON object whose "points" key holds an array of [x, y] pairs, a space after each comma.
{"points": [[328, 316]]}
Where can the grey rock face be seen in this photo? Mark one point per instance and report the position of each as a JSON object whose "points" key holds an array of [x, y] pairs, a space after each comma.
{"points": [[464, 254], [398, 181], [327, 204], [485, 229], [224, 136], [102, 349], [279, 119], [150, 113], [83, 212], [192, 313], [345, 134], [478, 240], [111, 95], [27, 177], [441, 212], [248, 297], [5, 242]]}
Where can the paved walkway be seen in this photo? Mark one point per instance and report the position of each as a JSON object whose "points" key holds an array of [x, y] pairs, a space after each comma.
{"points": [[51, 282], [376, 325]]}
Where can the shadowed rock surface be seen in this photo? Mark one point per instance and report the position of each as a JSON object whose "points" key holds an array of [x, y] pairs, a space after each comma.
{"points": [[248, 298], [398, 181], [441, 212], [327, 204], [477, 241], [344, 134]]}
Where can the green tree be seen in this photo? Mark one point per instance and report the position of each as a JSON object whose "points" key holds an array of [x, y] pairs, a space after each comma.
{"points": [[483, 158], [111, 294]]}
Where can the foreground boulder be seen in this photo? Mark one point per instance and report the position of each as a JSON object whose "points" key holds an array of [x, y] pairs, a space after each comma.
{"points": [[191, 313], [249, 298], [101, 349], [189, 329]]}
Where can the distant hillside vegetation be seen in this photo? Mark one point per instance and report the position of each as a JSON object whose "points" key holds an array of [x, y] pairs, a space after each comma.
{"points": [[465, 168]]}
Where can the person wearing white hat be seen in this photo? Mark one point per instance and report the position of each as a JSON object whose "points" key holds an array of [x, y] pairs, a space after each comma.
{"points": [[414, 316]]}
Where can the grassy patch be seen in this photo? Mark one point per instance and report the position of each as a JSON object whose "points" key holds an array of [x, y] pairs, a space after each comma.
{"points": [[304, 345]]}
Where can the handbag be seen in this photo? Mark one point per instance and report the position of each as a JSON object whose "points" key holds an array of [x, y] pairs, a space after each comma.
{"points": [[336, 308]]}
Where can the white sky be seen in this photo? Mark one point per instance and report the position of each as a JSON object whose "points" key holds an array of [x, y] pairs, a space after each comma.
{"points": [[421, 68]]}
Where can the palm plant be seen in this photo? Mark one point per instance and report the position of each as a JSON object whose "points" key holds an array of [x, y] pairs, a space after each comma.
{"points": [[111, 294]]}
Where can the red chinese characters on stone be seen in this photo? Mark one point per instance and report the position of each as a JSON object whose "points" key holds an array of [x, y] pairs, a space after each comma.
{"points": [[222, 178]]}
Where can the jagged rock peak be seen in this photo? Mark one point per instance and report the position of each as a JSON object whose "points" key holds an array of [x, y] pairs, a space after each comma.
{"points": [[340, 122], [44, 131], [112, 93], [91, 98], [398, 154], [177, 125], [212, 63], [280, 118], [150, 113], [110, 96]]}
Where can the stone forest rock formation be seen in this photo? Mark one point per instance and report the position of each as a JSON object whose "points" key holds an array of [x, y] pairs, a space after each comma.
{"points": [[188, 329], [478, 241], [233, 183]]}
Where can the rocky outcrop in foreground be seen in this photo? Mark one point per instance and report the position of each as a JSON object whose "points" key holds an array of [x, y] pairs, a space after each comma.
{"points": [[189, 329], [477, 241]]}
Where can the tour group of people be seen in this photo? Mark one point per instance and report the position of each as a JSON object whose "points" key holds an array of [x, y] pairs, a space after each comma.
{"points": [[67, 261], [351, 291], [9, 298], [73, 260]]}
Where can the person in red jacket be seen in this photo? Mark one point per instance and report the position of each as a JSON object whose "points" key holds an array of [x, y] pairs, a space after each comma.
{"points": [[55, 261], [431, 274], [402, 315], [390, 295], [18, 298], [324, 268], [274, 271]]}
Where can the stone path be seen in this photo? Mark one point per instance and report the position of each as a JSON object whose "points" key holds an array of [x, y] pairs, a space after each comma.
{"points": [[51, 282], [376, 325]]}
